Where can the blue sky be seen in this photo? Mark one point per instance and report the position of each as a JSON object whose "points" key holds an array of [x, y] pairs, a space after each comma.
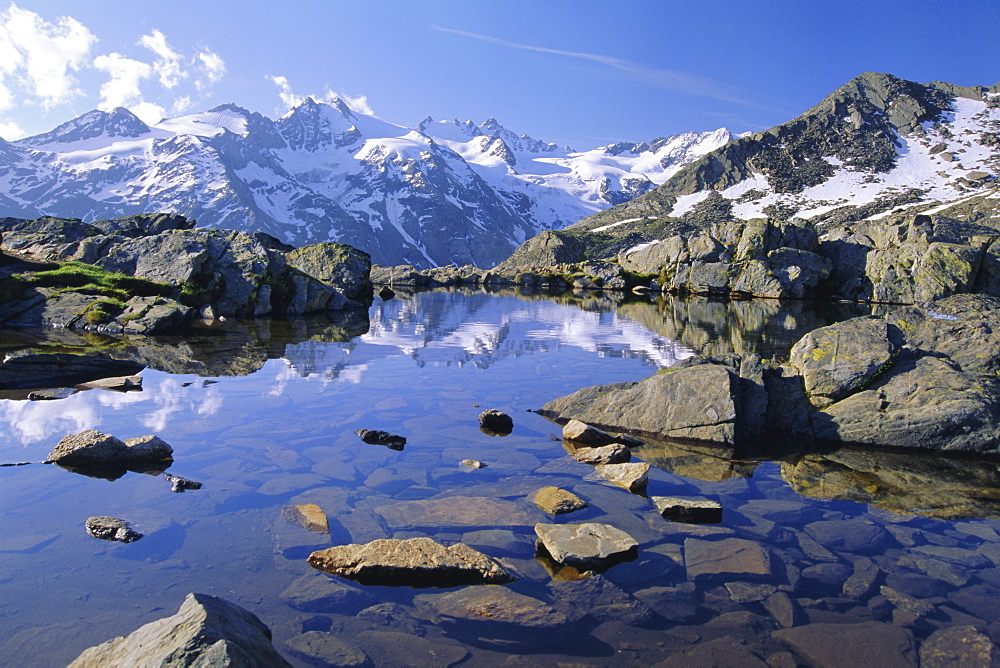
{"points": [[576, 72]]}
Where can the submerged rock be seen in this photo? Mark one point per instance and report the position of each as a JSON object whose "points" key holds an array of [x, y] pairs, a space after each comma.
{"points": [[587, 547], [206, 631], [727, 558], [111, 528], [326, 649], [307, 515], [92, 447], [557, 501], [458, 511], [378, 437], [864, 644], [414, 562], [318, 592]]}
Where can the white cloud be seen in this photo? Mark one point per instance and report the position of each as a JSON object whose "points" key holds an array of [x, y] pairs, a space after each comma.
{"points": [[288, 98], [148, 113], [122, 88], [357, 103], [181, 104], [168, 61], [212, 66], [43, 55], [10, 130]]}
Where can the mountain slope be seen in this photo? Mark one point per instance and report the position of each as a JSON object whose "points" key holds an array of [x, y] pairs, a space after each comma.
{"points": [[433, 195], [875, 146]]}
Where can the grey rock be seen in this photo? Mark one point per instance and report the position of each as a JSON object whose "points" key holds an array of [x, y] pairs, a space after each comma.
{"points": [[111, 528], [694, 511], [472, 463], [749, 592], [179, 484], [906, 609], [913, 584], [861, 581], [338, 265], [864, 644], [696, 402], [395, 648], [725, 651], [958, 646], [601, 600], [557, 501], [616, 453], [206, 631], [784, 610], [149, 315], [588, 546], [414, 562], [458, 511], [833, 575]]}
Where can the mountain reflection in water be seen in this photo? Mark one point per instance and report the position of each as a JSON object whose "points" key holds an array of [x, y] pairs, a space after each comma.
{"points": [[263, 415]]}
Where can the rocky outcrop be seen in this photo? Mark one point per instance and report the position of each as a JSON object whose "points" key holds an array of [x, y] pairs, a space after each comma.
{"points": [[919, 378], [206, 631], [170, 269], [414, 562]]}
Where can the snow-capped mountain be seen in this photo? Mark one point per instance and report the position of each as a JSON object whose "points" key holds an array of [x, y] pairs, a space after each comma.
{"points": [[440, 193], [875, 146]]}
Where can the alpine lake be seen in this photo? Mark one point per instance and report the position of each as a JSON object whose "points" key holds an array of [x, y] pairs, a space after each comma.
{"points": [[830, 558]]}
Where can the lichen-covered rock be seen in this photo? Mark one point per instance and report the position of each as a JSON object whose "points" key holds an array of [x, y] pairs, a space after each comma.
{"points": [[414, 562], [206, 631], [338, 265]]}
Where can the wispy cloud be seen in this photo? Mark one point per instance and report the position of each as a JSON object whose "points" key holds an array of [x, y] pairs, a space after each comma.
{"points": [[680, 82], [289, 99]]}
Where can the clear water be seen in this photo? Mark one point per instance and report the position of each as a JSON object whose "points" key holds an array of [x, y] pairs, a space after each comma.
{"points": [[263, 415]]}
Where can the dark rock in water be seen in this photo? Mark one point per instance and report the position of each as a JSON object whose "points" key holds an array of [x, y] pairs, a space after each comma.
{"points": [[179, 484], [599, 599], [414, 562], [111, 528], [386, 293], [496, 616], [587, 547], [206, 631], [693, 511], [729, 557], [495, 423], [855, 535], [865, 644], [557, 501], [725, 651], [52, 394], [378, 437]]}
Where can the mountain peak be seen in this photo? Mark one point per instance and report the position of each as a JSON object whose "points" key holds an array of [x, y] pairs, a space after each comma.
{"points": [[119, 122]]}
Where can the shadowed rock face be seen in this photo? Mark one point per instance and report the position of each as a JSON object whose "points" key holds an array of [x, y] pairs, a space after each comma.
{"points": [[205, 631]]}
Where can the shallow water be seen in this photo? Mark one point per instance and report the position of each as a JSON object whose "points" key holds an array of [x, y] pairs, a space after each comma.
{"points": [[263, 415]]}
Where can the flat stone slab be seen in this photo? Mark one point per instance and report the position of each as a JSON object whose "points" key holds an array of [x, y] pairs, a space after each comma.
{"points": [[692, 511], [616, 453], [307, 515], [326, 649], [557, 501], [589, 546], [492, 606], [632, 476], [726, 557], [854, 535], [458, 511], [318, 592], [206, 631], [414, 562]]}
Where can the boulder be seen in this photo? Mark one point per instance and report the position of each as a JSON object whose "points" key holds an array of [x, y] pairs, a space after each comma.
{"points": [[586, 435], [697, 402], [414, 562], [557, 501], [587, 547], [693, 511], [179, 484], [149, 315], [94, 447], [206, 631], [338, 265]]}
